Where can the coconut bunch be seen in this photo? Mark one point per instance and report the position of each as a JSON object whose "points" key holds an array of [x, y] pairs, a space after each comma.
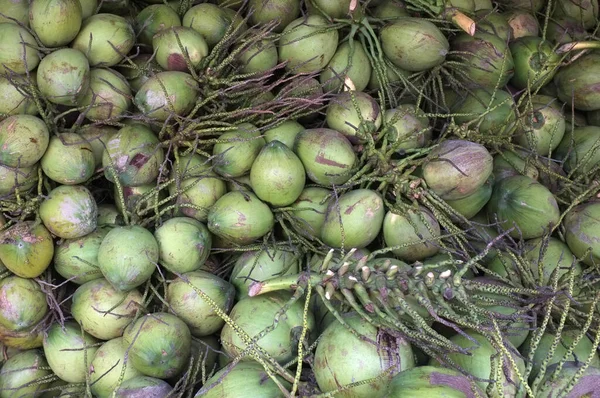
{"points": [[208, 199]]}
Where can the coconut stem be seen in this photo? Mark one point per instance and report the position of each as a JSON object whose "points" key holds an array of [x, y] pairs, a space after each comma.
{"points": [[578, 45], [461, 20], [286, 282]]}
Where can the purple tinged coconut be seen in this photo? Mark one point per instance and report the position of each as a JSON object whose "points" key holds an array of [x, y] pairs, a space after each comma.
{"points": [[144, 387], [22, 303], [23, 140], [69, 159], [183, 244], [167, 94], [110, 366], [457, 168], [432, 381], [103, 311], [586, 385], [18, 52], [69, 211], [170, 55], [186, 303], [26, 249]]}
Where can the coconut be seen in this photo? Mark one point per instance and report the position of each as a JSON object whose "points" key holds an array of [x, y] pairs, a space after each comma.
{"points": [[26, 249], [171, 55], [350, 62], [401, 231], [354, 114], [110, 367], [22, 303], [55, 22], [167, 94], [23, 139], [17, 49], [24, 375], [153, 19], [77, 259], [108, 96], [63, 76], [69, 212]]}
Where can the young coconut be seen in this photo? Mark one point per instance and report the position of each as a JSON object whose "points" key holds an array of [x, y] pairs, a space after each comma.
{"points": [[235, 154], [107, 97], [152, 20], [77, 259], [144, 387], [171, 55], [342, 115], [25, 374], [26, 249], [55, 22], [183, 244], [69, 212], [401, 230], [167, 94], [22, 303], [69, 159], [350, 61], [110, 367], [18, 52], [23, 139], [63, 76]]}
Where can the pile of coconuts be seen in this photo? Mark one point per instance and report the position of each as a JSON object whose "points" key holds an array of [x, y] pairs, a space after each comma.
{"points": [[299, 198]]}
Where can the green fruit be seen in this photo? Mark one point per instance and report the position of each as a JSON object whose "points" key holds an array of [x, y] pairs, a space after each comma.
{"points": [[307, 45], [267, 12], [103, 311], [26, 249], [186, 302], [354, 114], [524, 204], [564, 29], [240, 217], [457, 168], [24, 375], [183, 244], [128, 256], [55, 22], [551, 255], [167, 94], [330, 9], [108, 96], [585, 386], [522, 24], [258, 266], [88, 8], [577, 83], [235, 155], [170, 55], [259, 57], [542, 126], [584, 11], [414, 226], [509, 163], [138, 199], [15, 95], [69, 159], [69, 212], [210, 20], [354, 220], [245, 379], [63, 76], [144, 386], [23, 139], [406, 127], [309, 210], [15, 11], [414, 44], [105, 39], [17, 49], [394, 75], [432, 381], [349, 62], [97, 136], [77, 259], [285, 132], [254, 314], [277, 175], [152, 20], [579, 150], [133, 155], [484, 361], [535, 62], [196, 185], [487, 60], [492, 22], [144, 68], [339, 350], [110, 366], [69, 351], [327, 156], [22, 303], [581, 228], [491, 114], [25, 339], [158, 344], [469, 206], [390, 9]]}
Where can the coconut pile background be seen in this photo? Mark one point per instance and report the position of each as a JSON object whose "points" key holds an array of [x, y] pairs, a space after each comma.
{"points": [[299, 198]]}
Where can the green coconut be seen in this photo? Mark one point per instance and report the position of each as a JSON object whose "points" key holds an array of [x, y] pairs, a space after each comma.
{"points": [[26, 249], [77, 259], [350, 63], [432, 381], [240, 217], [579, 150], [577, 82], [133, 155], [234, 156], [108, 96], [167, 94], [55, 22], [105, 39], [144, 387], [277, 175], [354, 114], [69, 351], [185, 296], [381, 356], [354, 220], [128, 256], [183, 244], [210, 20], [564, 29], [584, 11], [390, 9], [469, 206], [254, 314], [22, 303], [69, 159], [173, 45], [406, 127], [24, 339], [103, 311], [543, 126], [23, 139], [457, 168], [110, 367], [143, 68], [97, 136], [69, 211], [258, 57], [550, 255], [309, 210], [15, 95], [18, 52], [284, 132], [535, 62], [306, 45], [63, 76], [258, 266], [414, 44], [153, 19], [491, 113], [581, 227], [327, 156], [138, 200], [406, 231], [15, 11], [492, 22], [513, 163], [24, 375], [158, 344], [585, 386], [13, 179]]}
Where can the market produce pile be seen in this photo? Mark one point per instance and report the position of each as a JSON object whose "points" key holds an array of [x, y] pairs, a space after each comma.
{"points": [[285, 198]]}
